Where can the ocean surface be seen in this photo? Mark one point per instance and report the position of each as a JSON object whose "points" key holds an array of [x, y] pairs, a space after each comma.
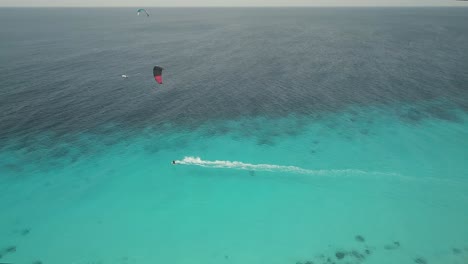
{"points": [[300, 135]]}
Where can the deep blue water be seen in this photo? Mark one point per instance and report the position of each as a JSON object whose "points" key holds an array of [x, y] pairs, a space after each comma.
{"points": [[60, 66], [314, 126]]}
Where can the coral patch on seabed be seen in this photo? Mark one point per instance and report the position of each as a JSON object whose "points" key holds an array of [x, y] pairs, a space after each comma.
{"points": [[395, 245], [25, 231], [359, 238], [420, 261], [340, 255], [6, 251]]}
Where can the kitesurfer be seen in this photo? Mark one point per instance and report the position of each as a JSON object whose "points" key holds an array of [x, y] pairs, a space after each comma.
{"points": [[173, 162], [142, 10]]}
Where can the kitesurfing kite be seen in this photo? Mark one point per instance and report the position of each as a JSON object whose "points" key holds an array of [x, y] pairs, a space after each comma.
{"points": [[157, 73], [142, 10]]}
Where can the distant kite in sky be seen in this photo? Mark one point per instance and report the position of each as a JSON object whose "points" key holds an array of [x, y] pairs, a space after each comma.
{"points": [[142, 10]]}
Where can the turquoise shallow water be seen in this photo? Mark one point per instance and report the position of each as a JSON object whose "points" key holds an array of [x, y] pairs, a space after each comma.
{"points": [[400, 186], [301, 135]]}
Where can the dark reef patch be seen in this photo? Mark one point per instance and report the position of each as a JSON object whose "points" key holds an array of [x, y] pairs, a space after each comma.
{"points": [[357, 255], [333, 254], [420, 261], [265, 141], [152, 148], [25, 231], [10, 249], [7, 251], [412, 115], [359, 238], [340, 255], [364, 131], [59, 152], [446, 111], [442, 113], [12, 167], [392, 246]]}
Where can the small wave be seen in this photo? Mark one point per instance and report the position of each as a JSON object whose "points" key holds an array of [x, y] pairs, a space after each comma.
{"points": [[225, 164]]}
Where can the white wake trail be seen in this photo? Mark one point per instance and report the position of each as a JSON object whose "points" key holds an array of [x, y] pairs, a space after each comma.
{"points": [[225, 164]]}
